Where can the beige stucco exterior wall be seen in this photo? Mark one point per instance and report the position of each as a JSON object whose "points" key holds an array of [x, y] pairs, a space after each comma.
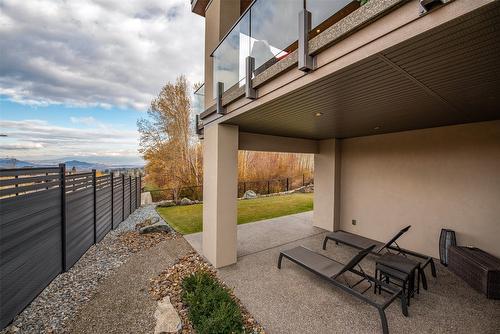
{"points": [[220, 15], [446, 177], [220, 184]]}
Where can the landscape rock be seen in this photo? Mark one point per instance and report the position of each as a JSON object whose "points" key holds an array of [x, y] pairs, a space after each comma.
{"points": [[157, 227], [167, 319], [186, 201], [146, 198], [165, 204], [304, 189], [249, 194]]}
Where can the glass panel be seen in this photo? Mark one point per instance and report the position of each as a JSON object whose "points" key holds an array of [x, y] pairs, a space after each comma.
{"points": [[331, 10], [230, 55], [274, 31], [199, 100]]}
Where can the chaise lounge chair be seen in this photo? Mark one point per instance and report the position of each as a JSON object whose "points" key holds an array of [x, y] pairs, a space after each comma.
{"points": [[332, 271], [380, 248]]}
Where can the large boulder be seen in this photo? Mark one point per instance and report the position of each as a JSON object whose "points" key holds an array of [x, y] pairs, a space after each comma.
{"points": [[186, 201], [167, 319], [157, 227], [249, 194]]}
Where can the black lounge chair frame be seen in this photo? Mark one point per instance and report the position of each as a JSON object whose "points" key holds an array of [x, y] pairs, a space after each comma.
{"points": [[389, 246], [395, 292]]}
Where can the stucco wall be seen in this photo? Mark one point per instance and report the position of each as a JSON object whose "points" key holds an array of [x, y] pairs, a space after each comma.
{"points": [[446, 177]]}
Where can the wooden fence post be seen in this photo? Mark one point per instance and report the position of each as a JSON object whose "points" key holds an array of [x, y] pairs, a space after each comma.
{"points": [[268, 189], [130, 193], [62, 176], [123, 197], [303, 180], [287, 185], [111, 174], [94, 183]]}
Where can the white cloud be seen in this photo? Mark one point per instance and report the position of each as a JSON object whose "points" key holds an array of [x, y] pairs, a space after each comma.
{"points": [[96, 53], [39, 139], [20, 146], [83, 120]]}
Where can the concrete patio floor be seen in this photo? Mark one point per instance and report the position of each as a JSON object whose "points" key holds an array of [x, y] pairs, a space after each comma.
{"points": [[293, 300], [261, 235]]}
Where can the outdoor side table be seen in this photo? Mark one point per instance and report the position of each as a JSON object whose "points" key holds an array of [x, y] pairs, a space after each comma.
{"points": [[402, 269]]}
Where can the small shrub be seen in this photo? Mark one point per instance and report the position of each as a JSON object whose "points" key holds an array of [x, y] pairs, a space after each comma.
{"points": [[211, 308]]}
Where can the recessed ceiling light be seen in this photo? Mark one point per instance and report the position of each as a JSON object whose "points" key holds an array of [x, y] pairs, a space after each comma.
{"points": [[318, 114]]}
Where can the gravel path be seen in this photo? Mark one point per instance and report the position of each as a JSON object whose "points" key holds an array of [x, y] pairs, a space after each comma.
{"points": [[122, 303], [65, 296]]}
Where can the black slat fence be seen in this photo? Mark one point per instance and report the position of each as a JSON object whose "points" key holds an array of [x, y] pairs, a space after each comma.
{"points": [[48, 220]]}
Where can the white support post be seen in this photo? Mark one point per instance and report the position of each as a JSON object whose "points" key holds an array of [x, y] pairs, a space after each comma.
{"points": [[327, 185], [220, 185]]}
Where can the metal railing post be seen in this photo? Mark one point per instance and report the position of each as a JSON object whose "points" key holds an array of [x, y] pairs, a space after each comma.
{"points": [[130, 194], [306, 62], [250, 92], [123, 197], [111, 175], [62, 176], [196, 123], [219, 90], [287, 185], [139, 200], [94, 183]]}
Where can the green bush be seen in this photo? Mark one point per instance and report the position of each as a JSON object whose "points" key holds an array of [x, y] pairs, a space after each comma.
{"points": [[211, 308]]}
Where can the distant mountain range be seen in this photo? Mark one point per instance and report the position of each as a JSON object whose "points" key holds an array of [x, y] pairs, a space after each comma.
{"points": [[79, 165]]}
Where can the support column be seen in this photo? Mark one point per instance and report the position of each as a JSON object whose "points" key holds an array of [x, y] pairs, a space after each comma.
{"points": [[220, 186], [327, 185]]}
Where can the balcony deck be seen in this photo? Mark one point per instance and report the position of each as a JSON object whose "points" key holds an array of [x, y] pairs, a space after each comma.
{"points": [[400, 72]]}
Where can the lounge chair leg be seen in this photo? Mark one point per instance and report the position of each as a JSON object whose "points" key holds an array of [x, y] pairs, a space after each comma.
{"points": [[383, 320], [433, 268], [279, 260], [324, 242], [424, 279]]}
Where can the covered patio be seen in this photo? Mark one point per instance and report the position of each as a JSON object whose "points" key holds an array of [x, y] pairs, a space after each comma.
{"points": [[293, 300]]}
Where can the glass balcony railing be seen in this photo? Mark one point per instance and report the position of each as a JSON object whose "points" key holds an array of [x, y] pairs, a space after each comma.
{"points": [[199, 100], [268, 31], [198, 105]]}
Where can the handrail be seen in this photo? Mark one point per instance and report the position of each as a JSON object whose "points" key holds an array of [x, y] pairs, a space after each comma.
{"points": [[198, 89]]}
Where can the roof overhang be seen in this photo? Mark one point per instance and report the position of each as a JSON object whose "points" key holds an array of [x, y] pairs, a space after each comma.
{"points": [[199, 6], [448, 74]]}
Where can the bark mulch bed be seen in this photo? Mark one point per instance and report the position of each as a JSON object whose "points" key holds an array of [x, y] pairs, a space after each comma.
{"points": [[135, 242], [169, 283]]}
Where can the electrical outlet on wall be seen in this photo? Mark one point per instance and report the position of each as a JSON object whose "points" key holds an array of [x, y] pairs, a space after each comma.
{"points": [[354, 221]]}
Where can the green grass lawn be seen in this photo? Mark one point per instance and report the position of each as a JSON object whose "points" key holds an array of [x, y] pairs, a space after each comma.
{"points": [[188, 219]]}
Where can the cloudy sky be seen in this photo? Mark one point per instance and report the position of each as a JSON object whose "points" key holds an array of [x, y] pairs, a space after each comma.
{"points": [[75, 75]]}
